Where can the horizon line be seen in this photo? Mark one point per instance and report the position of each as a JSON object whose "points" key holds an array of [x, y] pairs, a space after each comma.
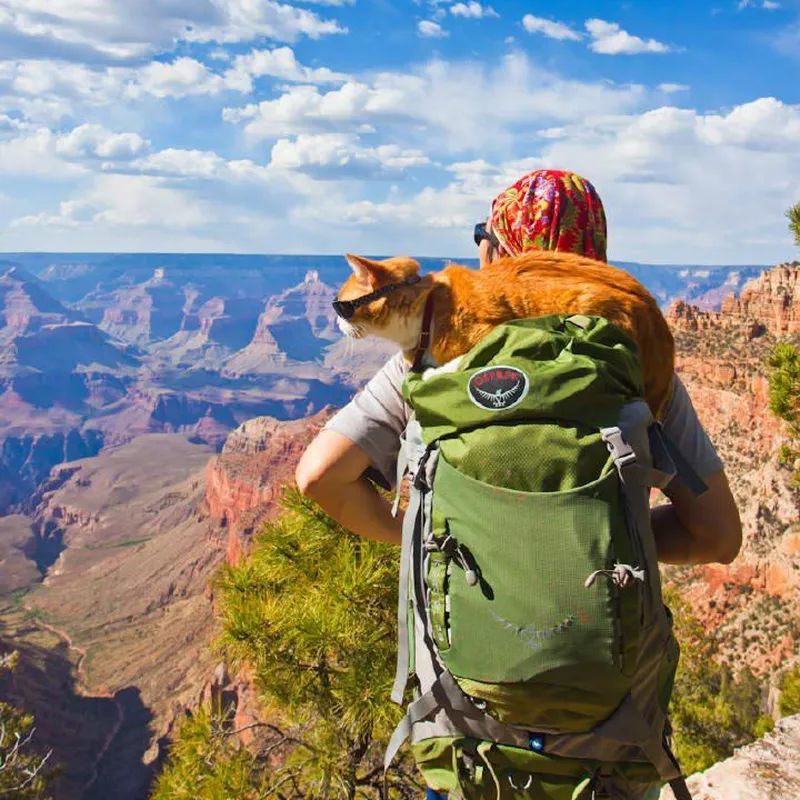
{"points": [[340, 255]]}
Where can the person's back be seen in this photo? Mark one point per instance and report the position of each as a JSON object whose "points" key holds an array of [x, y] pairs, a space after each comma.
{"points": [[365, 436]]}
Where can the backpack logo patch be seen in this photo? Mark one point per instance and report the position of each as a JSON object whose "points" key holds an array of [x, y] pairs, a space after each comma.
{"points": [[498, 388]]}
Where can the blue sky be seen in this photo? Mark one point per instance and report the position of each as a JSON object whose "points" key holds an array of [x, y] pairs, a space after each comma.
{"points": [[383, 126]]}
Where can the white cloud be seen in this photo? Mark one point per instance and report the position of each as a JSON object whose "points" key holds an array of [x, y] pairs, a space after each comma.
{"points": [[677, 186], [553, 30], [472, 10], [32, 154], [175, 163], [121, 29], [179, 78], [768, 5], [50, 91], [280, 62], [125, 201], [436, 103], [609, 39], [94, 141], [430, 29], [333, 155], [765, 124], [672, 88]]}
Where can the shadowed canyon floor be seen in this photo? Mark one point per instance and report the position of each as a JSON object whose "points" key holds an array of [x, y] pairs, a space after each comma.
{"points": [[125, 606]]}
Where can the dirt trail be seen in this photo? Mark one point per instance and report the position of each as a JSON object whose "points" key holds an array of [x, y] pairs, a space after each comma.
{"points": [[80, 688]]}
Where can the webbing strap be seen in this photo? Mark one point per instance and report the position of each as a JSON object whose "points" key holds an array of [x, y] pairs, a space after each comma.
{"points": [[680, 789], [411, 524], [659, 755], [642, 475], [420, 709], [686, 473], [628, 465]]}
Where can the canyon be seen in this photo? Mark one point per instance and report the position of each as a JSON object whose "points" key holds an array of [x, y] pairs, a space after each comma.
{"points": [[186, 424]]}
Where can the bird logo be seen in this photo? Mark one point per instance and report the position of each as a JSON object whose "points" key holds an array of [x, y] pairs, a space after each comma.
{"points": [[498, 388]]}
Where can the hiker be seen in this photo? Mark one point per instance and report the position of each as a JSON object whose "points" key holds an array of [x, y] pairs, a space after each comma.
{"points": [[561, 211]]}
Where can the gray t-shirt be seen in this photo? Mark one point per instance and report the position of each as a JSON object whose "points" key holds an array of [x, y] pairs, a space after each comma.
{"points": [[378, 414]]}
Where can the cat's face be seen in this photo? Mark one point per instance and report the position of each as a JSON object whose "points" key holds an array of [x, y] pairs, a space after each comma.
{"points": [[394, 316]]}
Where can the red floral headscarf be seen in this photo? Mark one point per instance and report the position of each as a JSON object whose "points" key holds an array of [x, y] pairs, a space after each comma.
{"points": [[551, 210]]}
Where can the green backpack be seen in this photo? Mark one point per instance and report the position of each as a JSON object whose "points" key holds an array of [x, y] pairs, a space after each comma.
{"points": [[531, 620]]}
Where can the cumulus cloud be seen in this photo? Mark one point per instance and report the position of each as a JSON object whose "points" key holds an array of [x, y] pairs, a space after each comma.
{"points": [[677, 186], [50, 91], [438, 98], [553, 30], [95, 141], [120, 29], [334, 155], [125, 201], [472, 10], [610, 39], [430, 29]]}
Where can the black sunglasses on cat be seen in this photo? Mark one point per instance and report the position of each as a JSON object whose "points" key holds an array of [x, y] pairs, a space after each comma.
{"points": [[481, 233], [346, 308]]}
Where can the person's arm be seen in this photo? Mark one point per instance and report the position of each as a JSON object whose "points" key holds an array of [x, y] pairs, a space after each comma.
{"points": [[364, 435], [331, 472], [698, 530], [695, 529]]}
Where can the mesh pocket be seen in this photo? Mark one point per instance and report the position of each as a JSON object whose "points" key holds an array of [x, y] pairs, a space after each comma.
{"points": [[531, 456]]}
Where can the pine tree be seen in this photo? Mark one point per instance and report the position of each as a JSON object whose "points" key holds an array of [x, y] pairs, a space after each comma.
{"points": [[312, 612], [22, 769], [712, 713], [793, 215], [789, 702]]}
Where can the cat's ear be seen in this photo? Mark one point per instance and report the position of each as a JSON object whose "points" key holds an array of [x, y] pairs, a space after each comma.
{"points": [[369, 273]]}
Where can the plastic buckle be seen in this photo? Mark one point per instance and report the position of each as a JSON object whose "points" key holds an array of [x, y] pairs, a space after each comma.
{"points": [[621, 451]]}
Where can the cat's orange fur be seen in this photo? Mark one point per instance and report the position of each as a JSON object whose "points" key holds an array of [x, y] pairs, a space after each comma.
{"points": [[469, 303]]}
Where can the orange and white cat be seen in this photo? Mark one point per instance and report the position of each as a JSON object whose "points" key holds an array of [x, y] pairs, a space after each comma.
{"points": [[469, 303]]}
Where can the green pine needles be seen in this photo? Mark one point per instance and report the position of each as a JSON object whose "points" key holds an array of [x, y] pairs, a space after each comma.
{"points": [[793, 215], [712, 712], [784, 398], [24, 773], [311, 611]]}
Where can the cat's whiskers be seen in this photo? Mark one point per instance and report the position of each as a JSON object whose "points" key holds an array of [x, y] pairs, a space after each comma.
{"points": [[352, 331]]}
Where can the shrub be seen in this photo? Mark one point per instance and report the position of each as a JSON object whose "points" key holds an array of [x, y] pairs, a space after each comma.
{"points": [[712, 713], [789, 702], [312, 612]]}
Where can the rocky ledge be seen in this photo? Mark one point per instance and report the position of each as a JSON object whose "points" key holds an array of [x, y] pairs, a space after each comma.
{"points": [[768, 769]]}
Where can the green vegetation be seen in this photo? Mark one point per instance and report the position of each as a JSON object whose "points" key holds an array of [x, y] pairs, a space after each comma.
{"points": [[790, 693], [22, 769], [712, 713], [121, 543], [17, 599], [784, 397], [205, 762], [312, 613], [793, 215]]}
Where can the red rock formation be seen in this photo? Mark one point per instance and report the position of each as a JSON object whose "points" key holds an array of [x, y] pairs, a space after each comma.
{"points": [[772, 299], [751, 606], [245, 481]]}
